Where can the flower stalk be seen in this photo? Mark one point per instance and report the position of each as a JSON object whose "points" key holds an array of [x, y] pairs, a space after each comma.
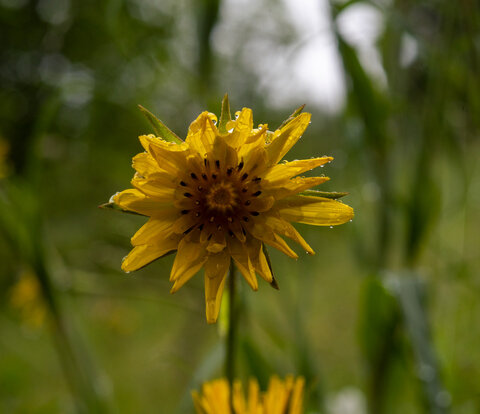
{"points": [[232, 327]]}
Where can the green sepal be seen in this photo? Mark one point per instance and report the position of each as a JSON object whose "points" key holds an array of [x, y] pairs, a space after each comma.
{"points": [[273, 283], [225, 115], [160, 129], [324, 194], [294, 114], [112, 206]]}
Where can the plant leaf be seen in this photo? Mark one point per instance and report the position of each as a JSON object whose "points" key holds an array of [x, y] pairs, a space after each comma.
{"points": [[225, 115], [294, 114], [274, 282], [160, 129], [111, 205], [324, 194]]}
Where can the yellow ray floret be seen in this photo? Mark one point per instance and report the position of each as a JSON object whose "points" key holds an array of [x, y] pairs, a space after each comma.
{"points": [[222, 195], [281, 397]]}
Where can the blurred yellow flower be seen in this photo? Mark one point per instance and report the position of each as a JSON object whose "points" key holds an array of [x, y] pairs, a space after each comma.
{"points": [[25, 297], [281, 397], [219, 196]]}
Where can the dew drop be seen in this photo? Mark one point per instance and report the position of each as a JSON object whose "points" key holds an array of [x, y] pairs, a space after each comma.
{"points": [[331, 227]]}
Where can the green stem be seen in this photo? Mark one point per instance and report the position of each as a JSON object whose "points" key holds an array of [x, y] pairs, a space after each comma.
{"points": [[232, 329]]}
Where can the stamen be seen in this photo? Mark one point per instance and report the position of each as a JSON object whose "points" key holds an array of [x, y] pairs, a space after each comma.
{"points": [[187, 195], [230, 232], [244, 190], [256, 194], [230, 219], [185, 211], [257, 179], [197, 214], [188, 230], [209, 237], [247, 203], [229, 171], [240, 166], [244, 176], [183, 183], [219, 228], [217, 163], [197, 203], [204, 176], [205, 162], [200, 227], [200, 188], [244, 232], [194, 176], [254, 213], [214, 176], [212, 219], [245, 218]]}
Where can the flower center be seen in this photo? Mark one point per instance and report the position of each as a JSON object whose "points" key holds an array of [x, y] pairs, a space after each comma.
{"points": [[221, 196]]}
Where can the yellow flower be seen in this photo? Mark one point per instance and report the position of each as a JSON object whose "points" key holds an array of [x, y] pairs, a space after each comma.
{"points": [[222, 194], [281, 397], [25, 296]]}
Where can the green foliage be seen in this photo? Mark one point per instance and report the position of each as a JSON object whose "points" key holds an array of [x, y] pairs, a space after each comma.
{"points": [[406, 150]]}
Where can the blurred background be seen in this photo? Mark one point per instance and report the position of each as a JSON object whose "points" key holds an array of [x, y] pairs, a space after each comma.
{"points": [[383, 319]]}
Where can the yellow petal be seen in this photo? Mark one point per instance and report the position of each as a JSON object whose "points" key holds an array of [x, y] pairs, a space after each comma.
{"points": [[255, 162], [157, 185], [155, 229], [217, 243], [253, 397], [144, 164], [189, 259], [239, 405], [224, 154], [284, 228], [296, 399], [261, 204], [134, 200], [169, 156], [259, 261], [240, 255], [317, 211], [256, 138], [286, 137], [243, 127], [295, 186], [146, 253], [201, 133], [216, 269], [264, 233], [290, 169], [183, 223], [238, 231], [197, 403]]}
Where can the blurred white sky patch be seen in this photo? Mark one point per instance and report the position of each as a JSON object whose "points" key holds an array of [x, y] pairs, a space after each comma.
{"points": [[296, 61], [361, 25]]}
